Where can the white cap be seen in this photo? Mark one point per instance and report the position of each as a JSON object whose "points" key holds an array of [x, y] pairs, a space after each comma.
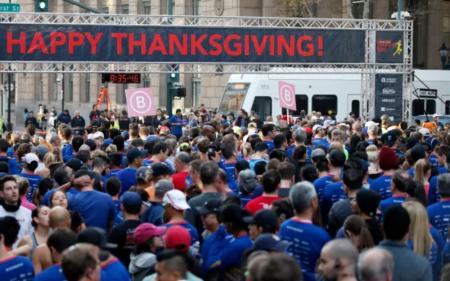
{"points": [[97, 135], [176, 199], [84, 147], [30, 157], [371, 123], [424, 131], [317, 127], [329, 122], [435, 115]]}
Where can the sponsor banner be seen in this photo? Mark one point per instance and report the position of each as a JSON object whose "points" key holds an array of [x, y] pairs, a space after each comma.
{"points": [[389, 95], [178, 44], [389, 46]]}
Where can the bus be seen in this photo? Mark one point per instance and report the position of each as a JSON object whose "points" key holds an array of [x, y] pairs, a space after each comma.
{"points": [[338, 94]]}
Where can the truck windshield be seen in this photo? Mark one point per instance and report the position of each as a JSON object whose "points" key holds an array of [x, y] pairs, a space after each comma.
{"points": [[233, 97]]}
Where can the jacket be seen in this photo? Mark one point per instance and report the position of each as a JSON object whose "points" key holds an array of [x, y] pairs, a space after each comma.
{"points": [[141, 265], [408, 265]]}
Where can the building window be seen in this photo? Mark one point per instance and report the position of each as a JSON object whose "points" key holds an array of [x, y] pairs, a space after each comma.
{"points": [[355, 108], [147, 7], [446, 24], [447, 107], [325, 104], [418, 107], [105, 10], [125, 9], [262, 106]]}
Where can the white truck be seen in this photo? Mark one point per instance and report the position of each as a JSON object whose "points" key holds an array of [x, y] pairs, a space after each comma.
{"points": [[337, 93]]}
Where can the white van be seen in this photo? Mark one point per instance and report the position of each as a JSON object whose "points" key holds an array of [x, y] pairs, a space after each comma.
{"points": [[338, 93]]}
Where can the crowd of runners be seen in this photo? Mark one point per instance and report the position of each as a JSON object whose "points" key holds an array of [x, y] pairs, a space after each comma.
{"points": [[208, 196]]}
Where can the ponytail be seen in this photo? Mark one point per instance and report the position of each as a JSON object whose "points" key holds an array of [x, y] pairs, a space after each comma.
{"points": [[366, 238]]}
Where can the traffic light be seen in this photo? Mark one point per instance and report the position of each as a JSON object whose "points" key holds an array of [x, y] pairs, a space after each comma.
{"points": [[174, 75], [41, 6]]}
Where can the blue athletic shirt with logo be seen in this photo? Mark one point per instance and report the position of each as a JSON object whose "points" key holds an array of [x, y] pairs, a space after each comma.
{"points": [[382, 186], [306, 241], [439, 215], [394, 200], [16, 268], [53, 273]]}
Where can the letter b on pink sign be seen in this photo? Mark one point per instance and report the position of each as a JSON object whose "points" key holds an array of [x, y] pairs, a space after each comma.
{"points": [[140, 102]]}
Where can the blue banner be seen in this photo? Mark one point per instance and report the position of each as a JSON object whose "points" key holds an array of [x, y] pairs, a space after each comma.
{"points": [[173, 44]]}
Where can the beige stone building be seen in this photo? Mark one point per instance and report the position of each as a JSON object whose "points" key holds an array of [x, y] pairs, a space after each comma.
{"points": [[432, 28]]}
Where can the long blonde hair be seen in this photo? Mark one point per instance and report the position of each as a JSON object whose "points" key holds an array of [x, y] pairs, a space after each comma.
{"points": [[419, 231], [422, 168]]}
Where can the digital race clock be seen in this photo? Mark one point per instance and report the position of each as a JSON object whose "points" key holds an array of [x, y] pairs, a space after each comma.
{"points": [[121, 78]]}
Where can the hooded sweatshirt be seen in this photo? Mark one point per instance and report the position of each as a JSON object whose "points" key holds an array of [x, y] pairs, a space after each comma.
{"points": [[141, 265]]}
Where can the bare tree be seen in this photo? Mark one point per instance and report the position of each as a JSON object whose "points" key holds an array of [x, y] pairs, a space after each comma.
{"points": [[298, 8]]}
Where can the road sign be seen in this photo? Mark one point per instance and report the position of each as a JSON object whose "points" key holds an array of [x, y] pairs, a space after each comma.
{"points": [[286, 93], [140, 102], [9, 8], [428, 93]]}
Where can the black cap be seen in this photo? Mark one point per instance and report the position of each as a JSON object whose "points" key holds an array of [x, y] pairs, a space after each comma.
{"points": [[75, 164], [95, 236], [232, 213], [367, 201], [269, 242], [84, 172], [261, 146], [161, 169], [210, 206], [267, 219], [390, 137], [133, 154]]}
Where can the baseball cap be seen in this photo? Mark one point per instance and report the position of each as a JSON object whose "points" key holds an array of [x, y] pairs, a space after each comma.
{"points": [[370, 124], [317, 127], [424, 131], [95, 236], [97, 135], [265, 218], [84, 172], [143, 172], [269, 242], [160, 169], [145, 231], [131, 200], [261, 146], [367, 201], [318, 152], [75, 164], [162, 186], [41, 151], [84, 147], [30, 157], [390, 137], [210, 206], [133, 154], [176, 199], [178, 237]]}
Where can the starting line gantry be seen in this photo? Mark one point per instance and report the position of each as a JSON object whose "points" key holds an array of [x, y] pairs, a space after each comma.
{"points": [[96, 43]]}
